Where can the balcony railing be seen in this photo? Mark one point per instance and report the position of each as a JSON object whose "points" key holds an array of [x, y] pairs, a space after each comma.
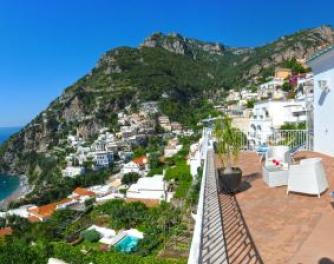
{"points": [[208, 243], [295, 139]]}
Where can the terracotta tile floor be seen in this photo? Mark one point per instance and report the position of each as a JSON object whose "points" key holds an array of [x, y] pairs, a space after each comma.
{"points": [[292, 228]]}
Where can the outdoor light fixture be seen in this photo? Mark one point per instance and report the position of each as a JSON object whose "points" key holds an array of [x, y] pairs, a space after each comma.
{"points": [[323, 85]]}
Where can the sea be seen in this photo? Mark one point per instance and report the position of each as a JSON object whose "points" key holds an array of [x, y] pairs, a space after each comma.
{"points": [[8, 183]]}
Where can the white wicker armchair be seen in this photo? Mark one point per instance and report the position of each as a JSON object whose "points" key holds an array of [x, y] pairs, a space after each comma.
{"points": [[308, 177], [277, 152]]}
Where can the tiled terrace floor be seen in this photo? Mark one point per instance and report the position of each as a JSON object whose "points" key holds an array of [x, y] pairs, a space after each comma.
{"points": [[292, 228]]}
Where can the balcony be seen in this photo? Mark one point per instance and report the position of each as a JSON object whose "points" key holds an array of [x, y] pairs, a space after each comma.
{"points": [[261, 224], [285, 228]]}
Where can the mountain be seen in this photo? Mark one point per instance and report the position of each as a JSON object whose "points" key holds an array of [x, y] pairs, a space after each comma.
{"points": [[185, 76]]}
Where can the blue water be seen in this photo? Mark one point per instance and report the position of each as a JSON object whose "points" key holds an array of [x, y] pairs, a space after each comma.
{"points": [[127, 244], [6, 132], [8, 184]]}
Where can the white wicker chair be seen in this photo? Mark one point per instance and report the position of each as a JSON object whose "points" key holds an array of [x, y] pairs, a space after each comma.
{"points": [[308, 177], [278, 152]]}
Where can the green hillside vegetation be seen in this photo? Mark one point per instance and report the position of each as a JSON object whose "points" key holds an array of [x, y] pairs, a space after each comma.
{"points": [[186, 77]]}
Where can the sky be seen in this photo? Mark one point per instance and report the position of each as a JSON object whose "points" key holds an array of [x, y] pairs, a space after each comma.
{"points": [[47, 45]]}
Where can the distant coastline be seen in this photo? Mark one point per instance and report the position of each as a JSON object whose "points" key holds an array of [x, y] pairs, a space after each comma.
{"points": [[21, 191], [22, 187]]}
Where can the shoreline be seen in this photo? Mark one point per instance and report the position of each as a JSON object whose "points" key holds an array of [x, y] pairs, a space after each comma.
{"points": [[21, 191]]}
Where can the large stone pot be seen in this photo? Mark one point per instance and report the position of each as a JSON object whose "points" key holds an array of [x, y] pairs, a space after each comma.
{"points": [[229, 182]]}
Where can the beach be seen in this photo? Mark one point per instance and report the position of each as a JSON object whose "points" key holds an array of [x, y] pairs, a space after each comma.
{"points": [[21, 191]]}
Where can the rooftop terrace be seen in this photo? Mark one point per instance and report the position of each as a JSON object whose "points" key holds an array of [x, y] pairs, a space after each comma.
{"points": [[292, 228]]}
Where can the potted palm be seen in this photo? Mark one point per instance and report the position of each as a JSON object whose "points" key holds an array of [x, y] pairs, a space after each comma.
{"points": [[228, 146]]}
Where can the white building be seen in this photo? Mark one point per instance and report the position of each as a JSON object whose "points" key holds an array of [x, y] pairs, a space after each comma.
{"points": [[56, 261], [22, 211], [194, 159], [305, 87], [271, 115], [71, 171], [322, 65], [248, 95], [73, 140], [171, 150], [164, 122], [172, 147], [233, 96], [272, 84], [102, 158], [101, 190], [131, 167], [153, 188], [272, 89], [103, 231]]}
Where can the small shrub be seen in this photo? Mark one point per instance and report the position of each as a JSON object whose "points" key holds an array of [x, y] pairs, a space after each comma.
{"points": [[91, 235]]}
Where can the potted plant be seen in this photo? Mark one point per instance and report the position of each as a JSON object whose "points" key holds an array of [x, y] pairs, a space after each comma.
{"points": [[228, 146]]}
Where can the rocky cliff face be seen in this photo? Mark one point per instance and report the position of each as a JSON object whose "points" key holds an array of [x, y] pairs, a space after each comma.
{"points": [[183, 70], [178, 44]]}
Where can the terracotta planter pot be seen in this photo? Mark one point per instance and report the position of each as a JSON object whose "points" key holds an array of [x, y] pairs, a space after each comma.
{"points": [[229, 182]]}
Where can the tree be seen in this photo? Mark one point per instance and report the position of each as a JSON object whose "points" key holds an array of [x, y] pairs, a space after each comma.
{"points": [[250, 103], [91, 235], [229, 141], [287, 87], [130, 178]]}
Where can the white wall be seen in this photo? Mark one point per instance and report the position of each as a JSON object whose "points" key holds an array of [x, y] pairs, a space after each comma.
{"points": [[279, 112], [323, 115]]}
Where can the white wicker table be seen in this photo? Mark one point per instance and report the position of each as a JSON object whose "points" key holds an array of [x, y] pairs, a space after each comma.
{"points": [[274, 177]]}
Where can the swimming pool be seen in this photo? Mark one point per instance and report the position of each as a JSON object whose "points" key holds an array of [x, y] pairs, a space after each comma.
{"points": [[127, 244]]}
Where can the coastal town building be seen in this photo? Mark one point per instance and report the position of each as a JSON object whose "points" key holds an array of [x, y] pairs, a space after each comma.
{"points": [[283, 73], [142, 162], [149, 190], [71, 171], [233, 96], [102, 159], [271, 85], [194, 159], [271, 115], [106, 233], [172, 148], [22, 211], [176, 127], [44, 212], [322, 65], [164, 122], [247, 95], [131, 167]]}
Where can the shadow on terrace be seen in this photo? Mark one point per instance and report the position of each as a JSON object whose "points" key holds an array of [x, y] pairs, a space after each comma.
{"points": [[294, 228]]}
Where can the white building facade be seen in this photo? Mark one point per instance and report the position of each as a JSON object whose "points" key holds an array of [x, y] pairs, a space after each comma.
{"points": [[72, 171], [153, 188], [322, 65], [271, 115]]}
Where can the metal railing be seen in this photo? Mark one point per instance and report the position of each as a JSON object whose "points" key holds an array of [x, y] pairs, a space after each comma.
{"points": [[208, 243], [211, 241], [295, 139]]}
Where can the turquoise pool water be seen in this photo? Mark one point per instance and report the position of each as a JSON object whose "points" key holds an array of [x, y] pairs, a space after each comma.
{"points": [[127, 244]]}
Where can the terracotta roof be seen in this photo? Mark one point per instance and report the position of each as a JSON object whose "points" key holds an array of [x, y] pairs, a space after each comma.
{"points": [[6, 231], [47, 210], [83, 192], [140, 160], [33, 219]]}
